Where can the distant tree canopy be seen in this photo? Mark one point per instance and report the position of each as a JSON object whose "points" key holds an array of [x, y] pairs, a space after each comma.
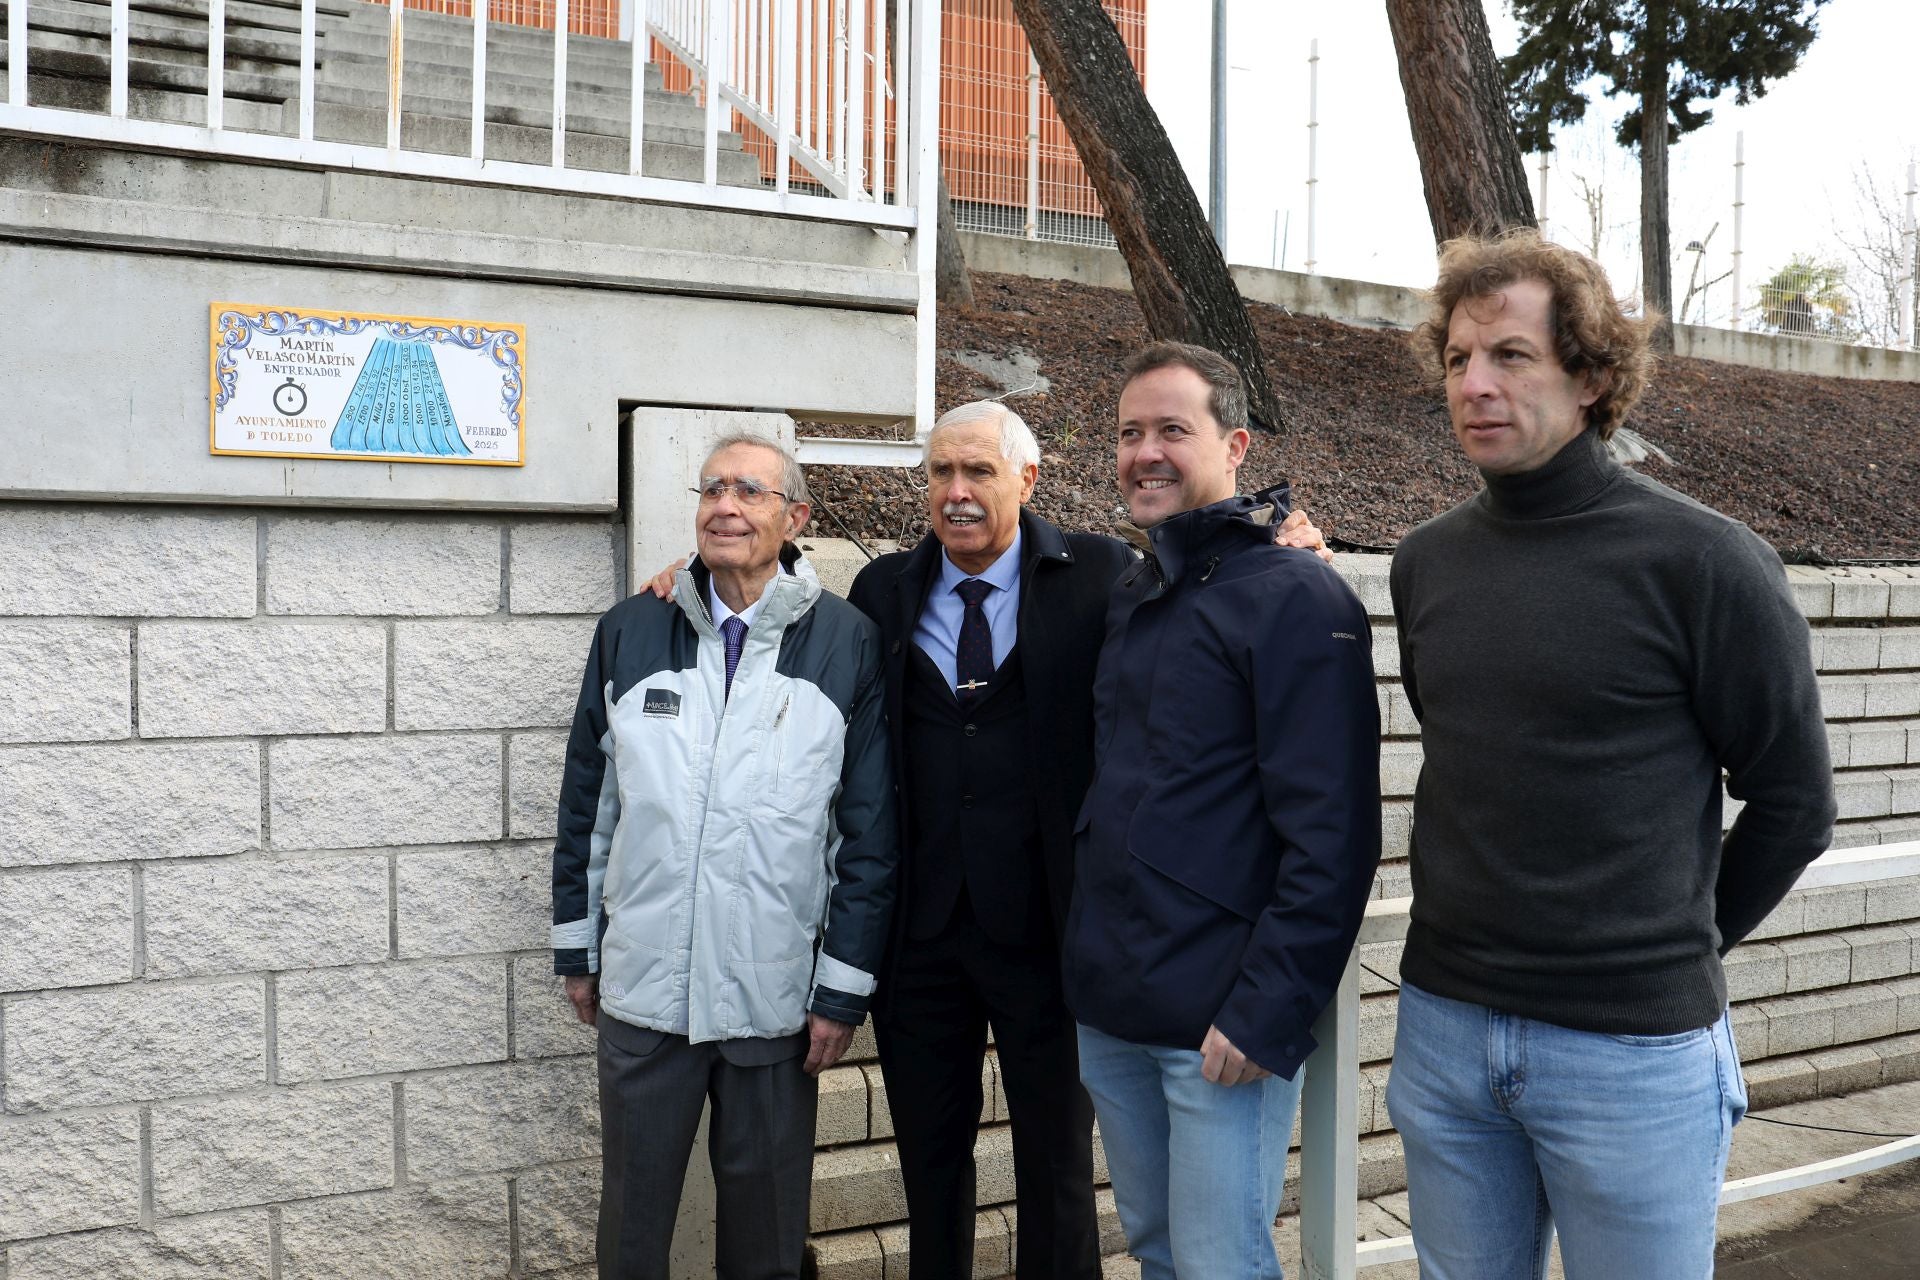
{"points": [[1673, 57], [1809, 297]]}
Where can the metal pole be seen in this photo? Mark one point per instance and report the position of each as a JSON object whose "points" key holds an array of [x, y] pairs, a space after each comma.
{"points": [[560, 21], [396, 39], [308, 36], [719, 21], [1739, 204], [477, 127], [785, 48], [926, 187], [1313, 147], [17, 54], [638, 45], [1033, 146], [1546, 160], [856, 88], [1217, 152], [1909, 236], [216, 64], [117, 36], [1329, 1136]]}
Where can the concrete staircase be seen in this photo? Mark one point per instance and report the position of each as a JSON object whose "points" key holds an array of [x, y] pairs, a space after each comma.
{"points": [[68, 67]]}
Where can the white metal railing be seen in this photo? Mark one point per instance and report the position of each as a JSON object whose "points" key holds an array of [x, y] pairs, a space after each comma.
{"points": [[1329, 1121], [845, 78], [823, 80], [812, 75]]}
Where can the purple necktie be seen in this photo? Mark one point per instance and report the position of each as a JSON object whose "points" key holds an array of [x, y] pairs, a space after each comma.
{"points": [[734, 632], [973, 655]]}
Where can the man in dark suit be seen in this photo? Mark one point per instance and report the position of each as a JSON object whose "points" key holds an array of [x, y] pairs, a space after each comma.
{"points": [[989, 699]]}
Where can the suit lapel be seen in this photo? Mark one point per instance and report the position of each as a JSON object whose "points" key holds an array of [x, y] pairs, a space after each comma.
{"points": [[909, 591], [1043, 548]]}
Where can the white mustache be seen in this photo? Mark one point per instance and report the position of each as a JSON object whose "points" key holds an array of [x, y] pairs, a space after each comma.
{"points": [[974, 509]]}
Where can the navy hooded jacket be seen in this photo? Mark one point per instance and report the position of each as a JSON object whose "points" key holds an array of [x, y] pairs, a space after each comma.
{"points": [[1226, 850]]}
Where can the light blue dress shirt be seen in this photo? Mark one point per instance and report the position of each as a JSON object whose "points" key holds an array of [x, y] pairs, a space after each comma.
{"points": [[938, 630]]}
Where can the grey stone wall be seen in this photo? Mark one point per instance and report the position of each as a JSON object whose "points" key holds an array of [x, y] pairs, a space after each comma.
{"points": [[276, 797], [276, 802]]}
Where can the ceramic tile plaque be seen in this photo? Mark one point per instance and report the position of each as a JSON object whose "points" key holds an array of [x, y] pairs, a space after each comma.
{"points": [[288, 383]]}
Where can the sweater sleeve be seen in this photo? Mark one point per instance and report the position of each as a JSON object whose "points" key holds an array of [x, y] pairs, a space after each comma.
{"points": [[1317, 736], [862, 859], [1758, 702], [589, 808]]}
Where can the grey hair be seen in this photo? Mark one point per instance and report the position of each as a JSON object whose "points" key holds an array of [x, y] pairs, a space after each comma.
{"points": [[793, 482], [1017, 444]]}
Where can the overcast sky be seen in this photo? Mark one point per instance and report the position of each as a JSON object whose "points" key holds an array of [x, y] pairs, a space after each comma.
{"points": [[1848, 107]]}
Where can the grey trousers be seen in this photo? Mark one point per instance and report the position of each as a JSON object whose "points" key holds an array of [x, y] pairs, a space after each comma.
{"points": [[653, 1086]]}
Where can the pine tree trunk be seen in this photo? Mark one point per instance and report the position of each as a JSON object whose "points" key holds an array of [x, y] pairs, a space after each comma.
{"points": [[1179, 275], [1470, 160], [952, 284], [1656, 267]]}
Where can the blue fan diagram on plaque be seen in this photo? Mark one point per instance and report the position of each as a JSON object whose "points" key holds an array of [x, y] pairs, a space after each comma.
{"points": [[288, 383], [399, 405]]}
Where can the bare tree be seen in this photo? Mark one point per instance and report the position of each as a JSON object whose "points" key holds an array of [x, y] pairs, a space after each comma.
{"points": [[1876, 243], [1593, 197], [1179, 275], [1470, 162], [1601, 182]]}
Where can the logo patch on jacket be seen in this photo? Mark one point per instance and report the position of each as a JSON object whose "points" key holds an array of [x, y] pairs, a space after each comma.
{"points": [[660, 702]]}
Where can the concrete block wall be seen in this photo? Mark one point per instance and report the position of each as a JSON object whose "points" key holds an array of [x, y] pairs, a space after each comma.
{"points": [[276, 804], [1387, 306], [276, 798], [1827, 995]]}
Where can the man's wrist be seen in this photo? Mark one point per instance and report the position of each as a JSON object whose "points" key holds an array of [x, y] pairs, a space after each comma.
{"points": [[840, 1006]]}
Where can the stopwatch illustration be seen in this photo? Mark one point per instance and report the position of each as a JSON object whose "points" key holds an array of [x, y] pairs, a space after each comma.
{"points": [[290, 398]]}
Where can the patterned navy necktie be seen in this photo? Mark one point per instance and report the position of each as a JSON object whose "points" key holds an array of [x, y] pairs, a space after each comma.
{"points": [[734, 632], [973, 655]]}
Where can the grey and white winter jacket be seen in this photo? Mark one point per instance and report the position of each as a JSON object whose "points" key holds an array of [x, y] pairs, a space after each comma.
{"points": [[726, 864]]}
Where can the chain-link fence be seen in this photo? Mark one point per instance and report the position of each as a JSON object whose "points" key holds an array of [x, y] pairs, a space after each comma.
{"points": [[1011, 168]]}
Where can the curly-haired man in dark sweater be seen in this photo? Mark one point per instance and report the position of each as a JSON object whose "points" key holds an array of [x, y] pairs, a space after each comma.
{"points": [[1587, 652]]}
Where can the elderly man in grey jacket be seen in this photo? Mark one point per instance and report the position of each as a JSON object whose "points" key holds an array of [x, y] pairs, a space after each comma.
{"points": [[724, 872]]}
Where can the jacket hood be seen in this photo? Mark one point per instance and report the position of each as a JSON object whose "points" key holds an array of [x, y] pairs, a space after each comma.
{"points": [[794, 588], [1178, 541]]}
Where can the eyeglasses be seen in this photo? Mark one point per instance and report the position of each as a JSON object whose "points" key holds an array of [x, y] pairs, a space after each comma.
{"points": [[748, 493]]}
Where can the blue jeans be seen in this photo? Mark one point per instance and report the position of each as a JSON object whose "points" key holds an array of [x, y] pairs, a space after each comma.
{"points": [[1515, 1128], [1197, 1168]]}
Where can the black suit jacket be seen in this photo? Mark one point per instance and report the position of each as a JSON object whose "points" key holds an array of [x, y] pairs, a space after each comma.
{"points": [[1066, 580]]}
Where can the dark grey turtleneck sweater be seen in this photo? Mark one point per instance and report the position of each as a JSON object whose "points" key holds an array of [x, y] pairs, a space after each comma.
{"points": [[1587, 650]]}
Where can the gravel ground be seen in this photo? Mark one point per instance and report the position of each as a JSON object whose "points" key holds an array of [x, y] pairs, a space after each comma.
{"points": [[1823, 468]]}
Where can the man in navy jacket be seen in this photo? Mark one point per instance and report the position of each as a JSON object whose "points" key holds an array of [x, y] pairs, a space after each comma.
{"points": [[1227, 846]]}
